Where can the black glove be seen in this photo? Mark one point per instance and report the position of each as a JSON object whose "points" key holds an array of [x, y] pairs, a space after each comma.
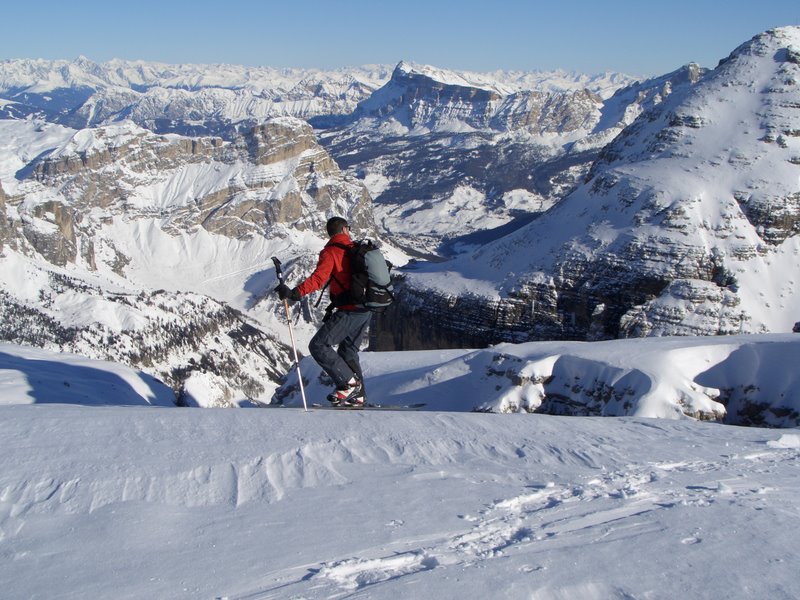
{"points": [[287, 293]]}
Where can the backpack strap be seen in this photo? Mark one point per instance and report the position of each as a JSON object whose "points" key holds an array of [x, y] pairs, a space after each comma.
{"points": [[322, 292], [325, 287]]}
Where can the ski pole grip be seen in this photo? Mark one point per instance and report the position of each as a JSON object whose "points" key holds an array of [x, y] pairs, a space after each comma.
{"points": [[278, 270]]}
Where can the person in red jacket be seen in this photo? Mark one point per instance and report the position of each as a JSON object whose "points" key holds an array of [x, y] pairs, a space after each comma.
{"points": [[336, 343]]}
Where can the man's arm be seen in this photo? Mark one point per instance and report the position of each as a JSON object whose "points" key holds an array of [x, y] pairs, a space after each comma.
{"points": [[320, 276]]}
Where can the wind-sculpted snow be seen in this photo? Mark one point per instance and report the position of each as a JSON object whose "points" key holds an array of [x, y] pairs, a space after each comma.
{"points": [[269, 504]]}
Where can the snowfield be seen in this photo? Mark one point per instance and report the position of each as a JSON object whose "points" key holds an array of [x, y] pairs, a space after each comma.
{"points": [[156, 502]]}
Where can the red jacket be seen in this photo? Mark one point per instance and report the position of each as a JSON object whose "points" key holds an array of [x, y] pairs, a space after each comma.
{"points": [[333, 266]]}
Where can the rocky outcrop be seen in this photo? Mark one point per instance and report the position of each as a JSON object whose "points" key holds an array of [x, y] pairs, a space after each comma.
{"points": [[425, 320], [543, 113], [51, 230]]}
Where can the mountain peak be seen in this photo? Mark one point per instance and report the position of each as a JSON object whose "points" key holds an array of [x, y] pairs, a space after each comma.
{"points": [[771, 42], [408, 70]]}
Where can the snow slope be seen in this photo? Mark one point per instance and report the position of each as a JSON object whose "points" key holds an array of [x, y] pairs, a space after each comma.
{"points": [[747, 379], [266, 504], [32, 375], [100, 501]]}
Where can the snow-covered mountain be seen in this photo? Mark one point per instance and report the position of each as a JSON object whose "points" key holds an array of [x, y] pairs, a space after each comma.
{"points": [[153, 249], [449, 157], [454, 163], [204, 99], [687, 224], [228, 100], [421, 98], [110, 211], [196, 99], [122, 244]]}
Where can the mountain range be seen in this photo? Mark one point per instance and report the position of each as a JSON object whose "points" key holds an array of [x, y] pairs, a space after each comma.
{"points": [[554, 206]]}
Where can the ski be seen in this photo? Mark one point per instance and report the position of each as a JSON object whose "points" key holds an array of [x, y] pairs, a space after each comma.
{"points": [[370, 406]]}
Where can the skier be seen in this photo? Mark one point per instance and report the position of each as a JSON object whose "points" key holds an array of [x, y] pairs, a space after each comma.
{"points": [[335, 345]]}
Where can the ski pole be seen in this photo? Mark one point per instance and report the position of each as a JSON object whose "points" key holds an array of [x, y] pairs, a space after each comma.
{"points": [[279, 272]]}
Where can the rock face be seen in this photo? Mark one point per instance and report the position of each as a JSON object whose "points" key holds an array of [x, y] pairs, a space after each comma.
{"points": [[275, 175], [686, 224], [419, 97], [281, 152]]}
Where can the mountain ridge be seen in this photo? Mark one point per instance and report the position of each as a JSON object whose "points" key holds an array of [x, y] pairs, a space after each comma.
{"points": [[84, 93]]}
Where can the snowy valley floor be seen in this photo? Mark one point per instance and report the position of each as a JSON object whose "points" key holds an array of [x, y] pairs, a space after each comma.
{"points": [[151, 502]]}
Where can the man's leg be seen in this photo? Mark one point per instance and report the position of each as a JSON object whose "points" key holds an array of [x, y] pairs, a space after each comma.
{"points": [[344, 328], [348, 349]]}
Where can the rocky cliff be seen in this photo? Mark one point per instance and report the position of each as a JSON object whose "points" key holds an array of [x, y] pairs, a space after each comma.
{"points": [[273, 175], [419, 97]]}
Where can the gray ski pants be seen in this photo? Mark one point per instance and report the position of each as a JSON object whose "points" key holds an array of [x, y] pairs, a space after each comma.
{"points": [[345, 330]]}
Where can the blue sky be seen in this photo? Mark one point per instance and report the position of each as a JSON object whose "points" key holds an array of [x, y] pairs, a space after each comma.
{"points": [[637, 37]]}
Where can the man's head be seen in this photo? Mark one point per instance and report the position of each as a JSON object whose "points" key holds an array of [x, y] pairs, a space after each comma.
{"points": [[336, 225]]}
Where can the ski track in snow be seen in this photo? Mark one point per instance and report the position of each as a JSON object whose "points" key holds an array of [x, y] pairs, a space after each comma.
{"points": [[613, 506]]}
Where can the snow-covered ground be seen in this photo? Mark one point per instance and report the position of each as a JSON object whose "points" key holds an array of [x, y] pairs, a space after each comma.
{"points": [[155, 502], [35, 376], [749, 379]]}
